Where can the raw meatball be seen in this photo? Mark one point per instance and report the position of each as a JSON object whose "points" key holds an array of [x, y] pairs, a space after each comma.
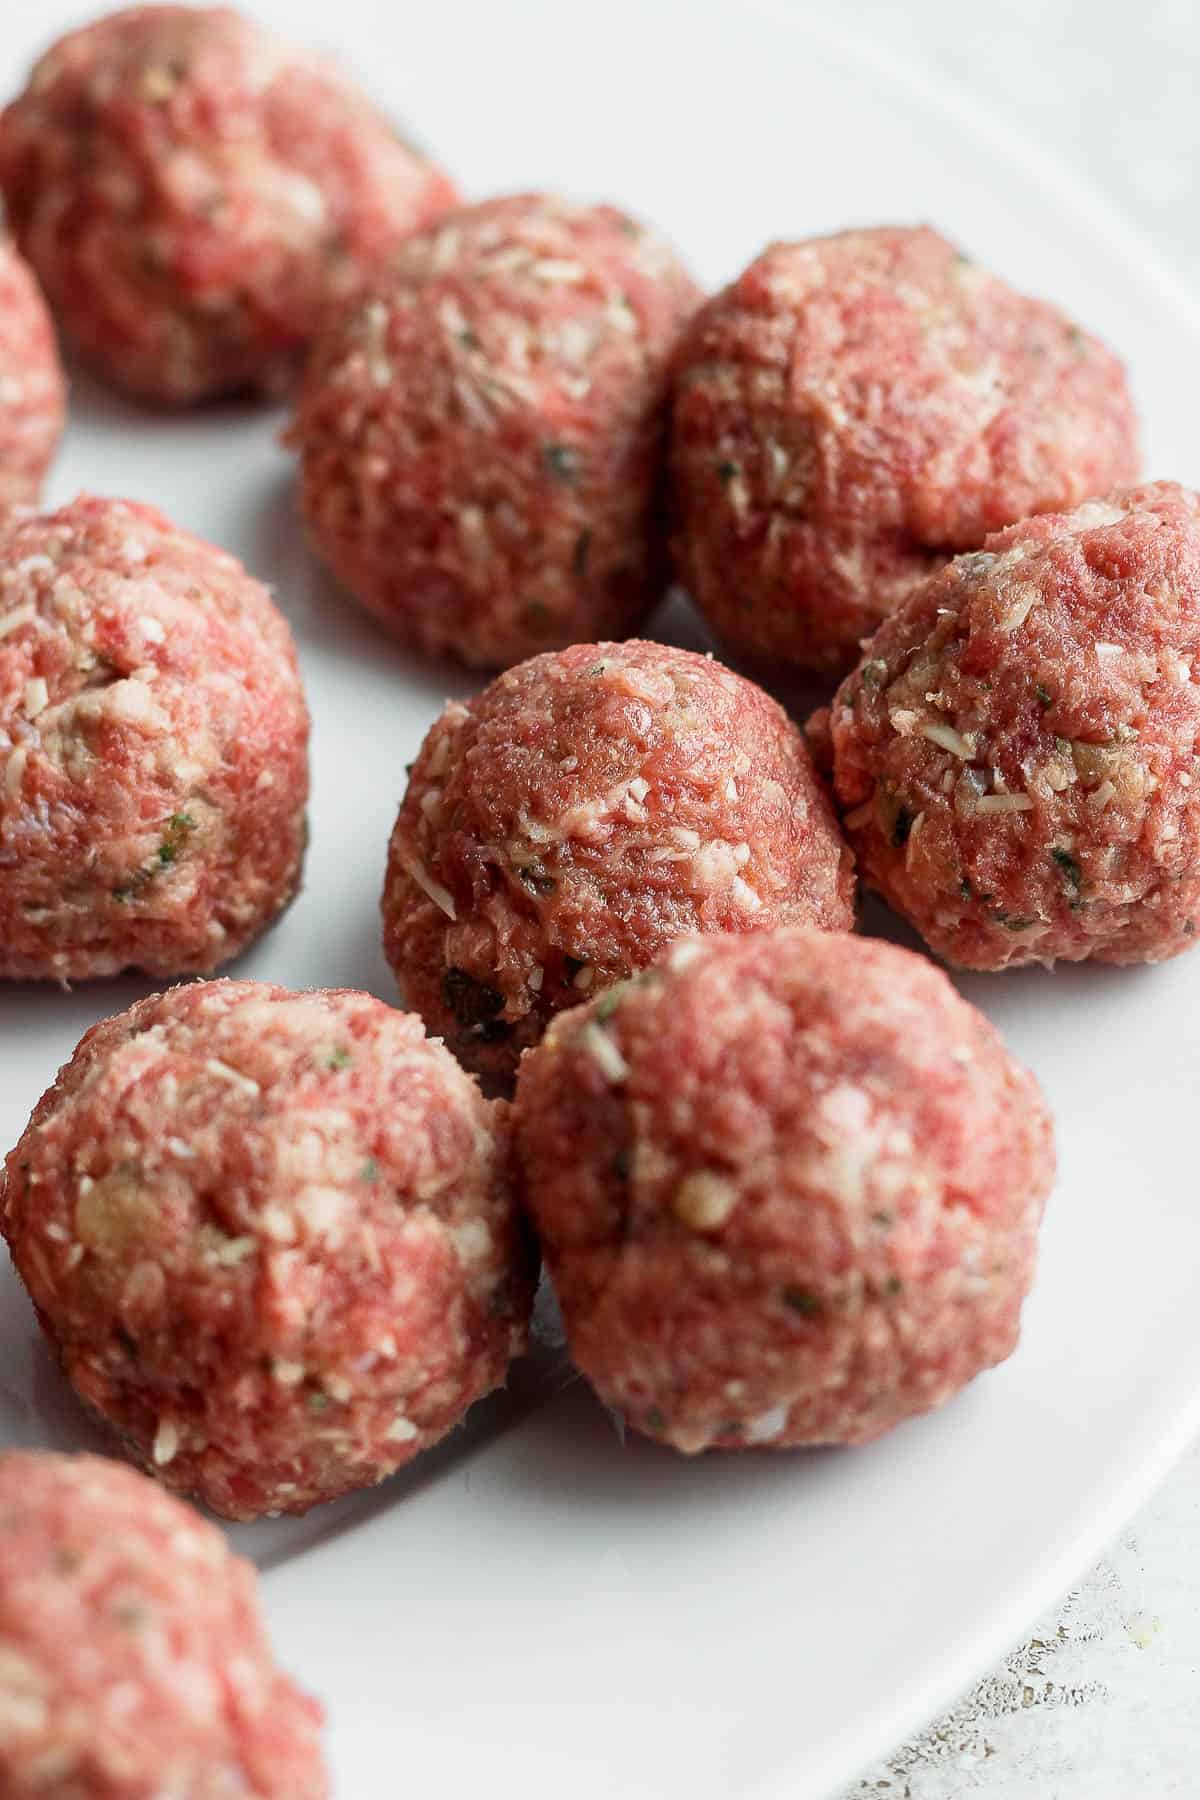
{"points": [[193, 193], [854, 410], [153, 748], [271, 1237], [585, 809], [482, 437], [1017, 752], [133, 1660], [788, 1188], [32, 389]]}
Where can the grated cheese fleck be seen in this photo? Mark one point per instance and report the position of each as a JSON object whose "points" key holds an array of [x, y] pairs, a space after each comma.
{"points": [[946, 738], [1003, 803], [433, 890]]}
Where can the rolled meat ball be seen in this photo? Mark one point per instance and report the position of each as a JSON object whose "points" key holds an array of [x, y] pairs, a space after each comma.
{"points": [[193, 194], [855, 409], [589, 806], [788, 1189], [153, 748], [481, 438], [133, 1658], [1016, 753], [271, 1238], [32, 388]]}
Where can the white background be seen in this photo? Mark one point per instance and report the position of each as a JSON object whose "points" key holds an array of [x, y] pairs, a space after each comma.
{"points": [[1104, 1706]]}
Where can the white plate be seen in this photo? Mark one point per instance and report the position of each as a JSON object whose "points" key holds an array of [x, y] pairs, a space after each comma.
{"points": [[533, 1610]]}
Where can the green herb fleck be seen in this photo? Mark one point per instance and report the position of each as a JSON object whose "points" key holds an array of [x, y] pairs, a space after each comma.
{"points": [[369, 1171], [965, 889], [1072, 873], [1045, 697], [338, 1058], [178, 827], [726, 471], [802, 1302], [1079, 340], [317, 1401], [537, 880], [468, 339], [655, 1420], [894, 1285], [883, 1219], [1189, 927], [561, 461], [608, 1003]]}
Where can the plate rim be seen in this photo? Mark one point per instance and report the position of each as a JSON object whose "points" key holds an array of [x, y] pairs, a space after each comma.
{"points": [[844, 1761]]}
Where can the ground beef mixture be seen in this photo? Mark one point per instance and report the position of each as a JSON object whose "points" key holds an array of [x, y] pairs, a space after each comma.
{"points": [[271, 1238], [1016, 753], [788, 1188], [855, 409], [153, 748], [32, 388], [482, 437], [133, 1660], [589, 806], [194, 193]]}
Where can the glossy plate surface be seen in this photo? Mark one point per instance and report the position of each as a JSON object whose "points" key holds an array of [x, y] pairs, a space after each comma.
{"points": [[533, 1609]]}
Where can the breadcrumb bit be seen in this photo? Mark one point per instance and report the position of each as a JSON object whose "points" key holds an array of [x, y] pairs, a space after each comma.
{"points": [[234, 1076], [704, 1201], [1004, 803], [433, 890], [166, 1443], [605, 1052]]}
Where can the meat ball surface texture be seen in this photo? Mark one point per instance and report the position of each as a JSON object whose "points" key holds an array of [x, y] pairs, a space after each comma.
{"points": [[788, 1189], [272, 1239], [1016, 754], [854, 410], [193, 193], [133, 1660], [589, 806], [153, 748], [482, 437], [32, 387]]}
